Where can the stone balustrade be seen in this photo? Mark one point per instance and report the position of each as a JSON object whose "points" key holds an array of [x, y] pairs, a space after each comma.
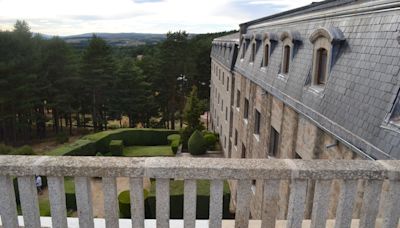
{"points": [[191, 169]]}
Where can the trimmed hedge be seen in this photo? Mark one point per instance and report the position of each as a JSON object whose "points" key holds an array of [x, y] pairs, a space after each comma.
{"points": [[89, 145], [131, 137], [197, 144], [116, 147]]}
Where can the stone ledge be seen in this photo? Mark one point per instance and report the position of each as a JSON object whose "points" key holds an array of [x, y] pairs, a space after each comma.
{"points": [[197, 168]]}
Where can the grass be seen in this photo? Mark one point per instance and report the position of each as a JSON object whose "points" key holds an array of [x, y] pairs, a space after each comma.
{"points": [[148, 151]]}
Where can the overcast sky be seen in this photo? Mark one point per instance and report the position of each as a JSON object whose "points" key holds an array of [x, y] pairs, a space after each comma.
{"points": [[67, 17]]}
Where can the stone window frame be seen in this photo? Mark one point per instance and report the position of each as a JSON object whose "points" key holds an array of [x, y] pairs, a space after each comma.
{"points": [[328, 39], [269, 39], [288, 39], [245, 44]]}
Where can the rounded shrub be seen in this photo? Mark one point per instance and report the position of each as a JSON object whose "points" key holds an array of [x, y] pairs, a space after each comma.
{"points": [[23, 150], [197, 145], [210, 139]]}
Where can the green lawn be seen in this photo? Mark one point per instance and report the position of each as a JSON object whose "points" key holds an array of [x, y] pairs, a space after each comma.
{"points": [[148, 151]]}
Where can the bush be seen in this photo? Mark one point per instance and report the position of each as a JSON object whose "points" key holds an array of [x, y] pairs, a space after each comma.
{"points": [[173, 137], [116, 147], [124, 201], [210, 139], [197, 144], [61, 138], [4, 149], [24, 150], [175, 146]]}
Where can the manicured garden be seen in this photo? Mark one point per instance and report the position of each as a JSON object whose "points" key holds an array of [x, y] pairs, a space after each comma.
{"points": [[120, 142]]}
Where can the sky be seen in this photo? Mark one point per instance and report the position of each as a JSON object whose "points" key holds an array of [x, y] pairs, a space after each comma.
{"points": [[69, 17]]}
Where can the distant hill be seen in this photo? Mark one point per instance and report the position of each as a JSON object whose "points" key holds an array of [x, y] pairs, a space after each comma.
{"points": [[116, 39]]}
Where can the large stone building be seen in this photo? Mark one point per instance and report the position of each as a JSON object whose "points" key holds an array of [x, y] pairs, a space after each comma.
{"points": [[317, 82]]}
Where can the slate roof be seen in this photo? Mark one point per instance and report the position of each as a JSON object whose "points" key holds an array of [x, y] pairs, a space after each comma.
{"points": [[364, 82]]}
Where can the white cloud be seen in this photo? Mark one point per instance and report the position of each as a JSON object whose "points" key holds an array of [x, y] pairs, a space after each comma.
{"points": [[81, 16]]}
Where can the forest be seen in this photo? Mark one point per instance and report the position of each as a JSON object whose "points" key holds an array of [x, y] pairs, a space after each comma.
{"points": [[48, 87]]}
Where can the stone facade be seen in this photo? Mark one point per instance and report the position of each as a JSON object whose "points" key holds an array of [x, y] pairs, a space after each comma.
{"points": [[350, 116]]}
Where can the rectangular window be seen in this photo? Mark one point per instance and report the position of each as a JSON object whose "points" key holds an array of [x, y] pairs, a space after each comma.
{"points": [[223, 78], [238, 99], [266, 55], [257, 117], [227, 83], [286, 59], [243, 151], [226, 113], [222, 106], [246, 109], [253, 52], [236, 137], [322, 56], [274, 143]]}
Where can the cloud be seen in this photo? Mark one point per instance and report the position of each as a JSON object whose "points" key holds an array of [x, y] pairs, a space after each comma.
{"points": [[61, 17]]}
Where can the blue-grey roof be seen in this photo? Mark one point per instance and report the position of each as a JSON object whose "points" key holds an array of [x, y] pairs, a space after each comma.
{"points": [[360, 95]]}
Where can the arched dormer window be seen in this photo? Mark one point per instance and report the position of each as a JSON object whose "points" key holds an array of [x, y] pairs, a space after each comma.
{"points": [[325, 40], [288, 40], [269, 39], [245, 42]]}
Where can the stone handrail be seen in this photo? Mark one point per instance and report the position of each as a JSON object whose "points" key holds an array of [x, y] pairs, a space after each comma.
{"points": [[191, 169]]}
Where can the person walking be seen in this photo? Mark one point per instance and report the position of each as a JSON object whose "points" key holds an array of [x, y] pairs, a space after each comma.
{"points": [[38, 181]]}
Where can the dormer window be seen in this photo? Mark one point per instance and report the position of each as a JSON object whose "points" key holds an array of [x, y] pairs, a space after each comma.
{"points": [[326, 41], [289, 40], [245, 42], [269, 44]]}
